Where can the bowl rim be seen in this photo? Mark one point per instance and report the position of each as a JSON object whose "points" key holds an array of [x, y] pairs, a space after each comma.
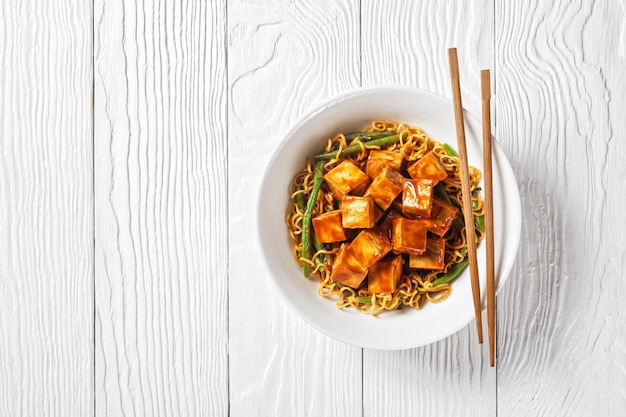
{"points": [[514, 234]]}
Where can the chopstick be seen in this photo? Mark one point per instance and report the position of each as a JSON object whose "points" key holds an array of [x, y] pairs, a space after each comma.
{"points": [[468, 212], [485, 82]]}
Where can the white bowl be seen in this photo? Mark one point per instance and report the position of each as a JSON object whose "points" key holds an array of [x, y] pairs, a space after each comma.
{"points": [[401, 329]]}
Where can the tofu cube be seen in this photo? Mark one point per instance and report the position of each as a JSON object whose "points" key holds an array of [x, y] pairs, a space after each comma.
{"points": [[377, 160], [428, 167], [385, 187], [408, 236], [442, 215], [328, 228], [357, 212], [397, 203], [432, 258], [385, 276], [385, 225], [369, 247], [347, 269], [346, 178], [417, 197], [378, 213]]}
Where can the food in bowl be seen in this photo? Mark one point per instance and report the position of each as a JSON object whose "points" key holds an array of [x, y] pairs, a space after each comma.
{"points": [[377, 218]]}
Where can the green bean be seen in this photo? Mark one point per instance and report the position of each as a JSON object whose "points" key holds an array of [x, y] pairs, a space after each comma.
{"points": [[344, 287], [300, 199], [300, 203], [388, 140], [441, 192], [458, 222], [449, 150], [364, 137], [475, 197], [479, 222], [451, 274], [369, 135], [308, 213], [364, 300], [321, 258]]}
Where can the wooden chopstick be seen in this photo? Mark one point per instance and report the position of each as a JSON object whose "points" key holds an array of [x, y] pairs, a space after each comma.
{"points": [[468, 212], [485, 82]]}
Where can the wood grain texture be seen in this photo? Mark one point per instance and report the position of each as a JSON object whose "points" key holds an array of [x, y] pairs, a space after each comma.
{"points": [[560, 101], [46, 209], [160, 189], [284, 57], [406, 43]]}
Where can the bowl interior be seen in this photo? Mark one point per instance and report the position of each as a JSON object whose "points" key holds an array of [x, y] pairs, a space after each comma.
{"points": [[352, 111]]}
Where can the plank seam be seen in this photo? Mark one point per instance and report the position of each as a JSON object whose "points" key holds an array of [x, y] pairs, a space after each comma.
{"points": [[226, 128], [93, 193]]}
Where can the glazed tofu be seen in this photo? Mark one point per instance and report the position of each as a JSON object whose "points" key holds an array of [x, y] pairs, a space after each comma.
{"points": [[347, 269], [369, 247], [432, 258], [377, 160], [385, 187], [346, 178], [417, 197], [397, 204], [328, 228], [385, 276], [428, 167], [357, 212], [385, 226], [378, 213], [408, 236], [442, 215]]}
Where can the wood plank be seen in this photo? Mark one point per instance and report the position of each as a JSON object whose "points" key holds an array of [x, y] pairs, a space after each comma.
{"points": [[161, 218], [560, 101], [284, 57], [406, 43], [46, 209]]}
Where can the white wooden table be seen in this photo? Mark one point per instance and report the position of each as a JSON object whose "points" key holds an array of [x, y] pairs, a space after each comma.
{"points": [[132, 135]]}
